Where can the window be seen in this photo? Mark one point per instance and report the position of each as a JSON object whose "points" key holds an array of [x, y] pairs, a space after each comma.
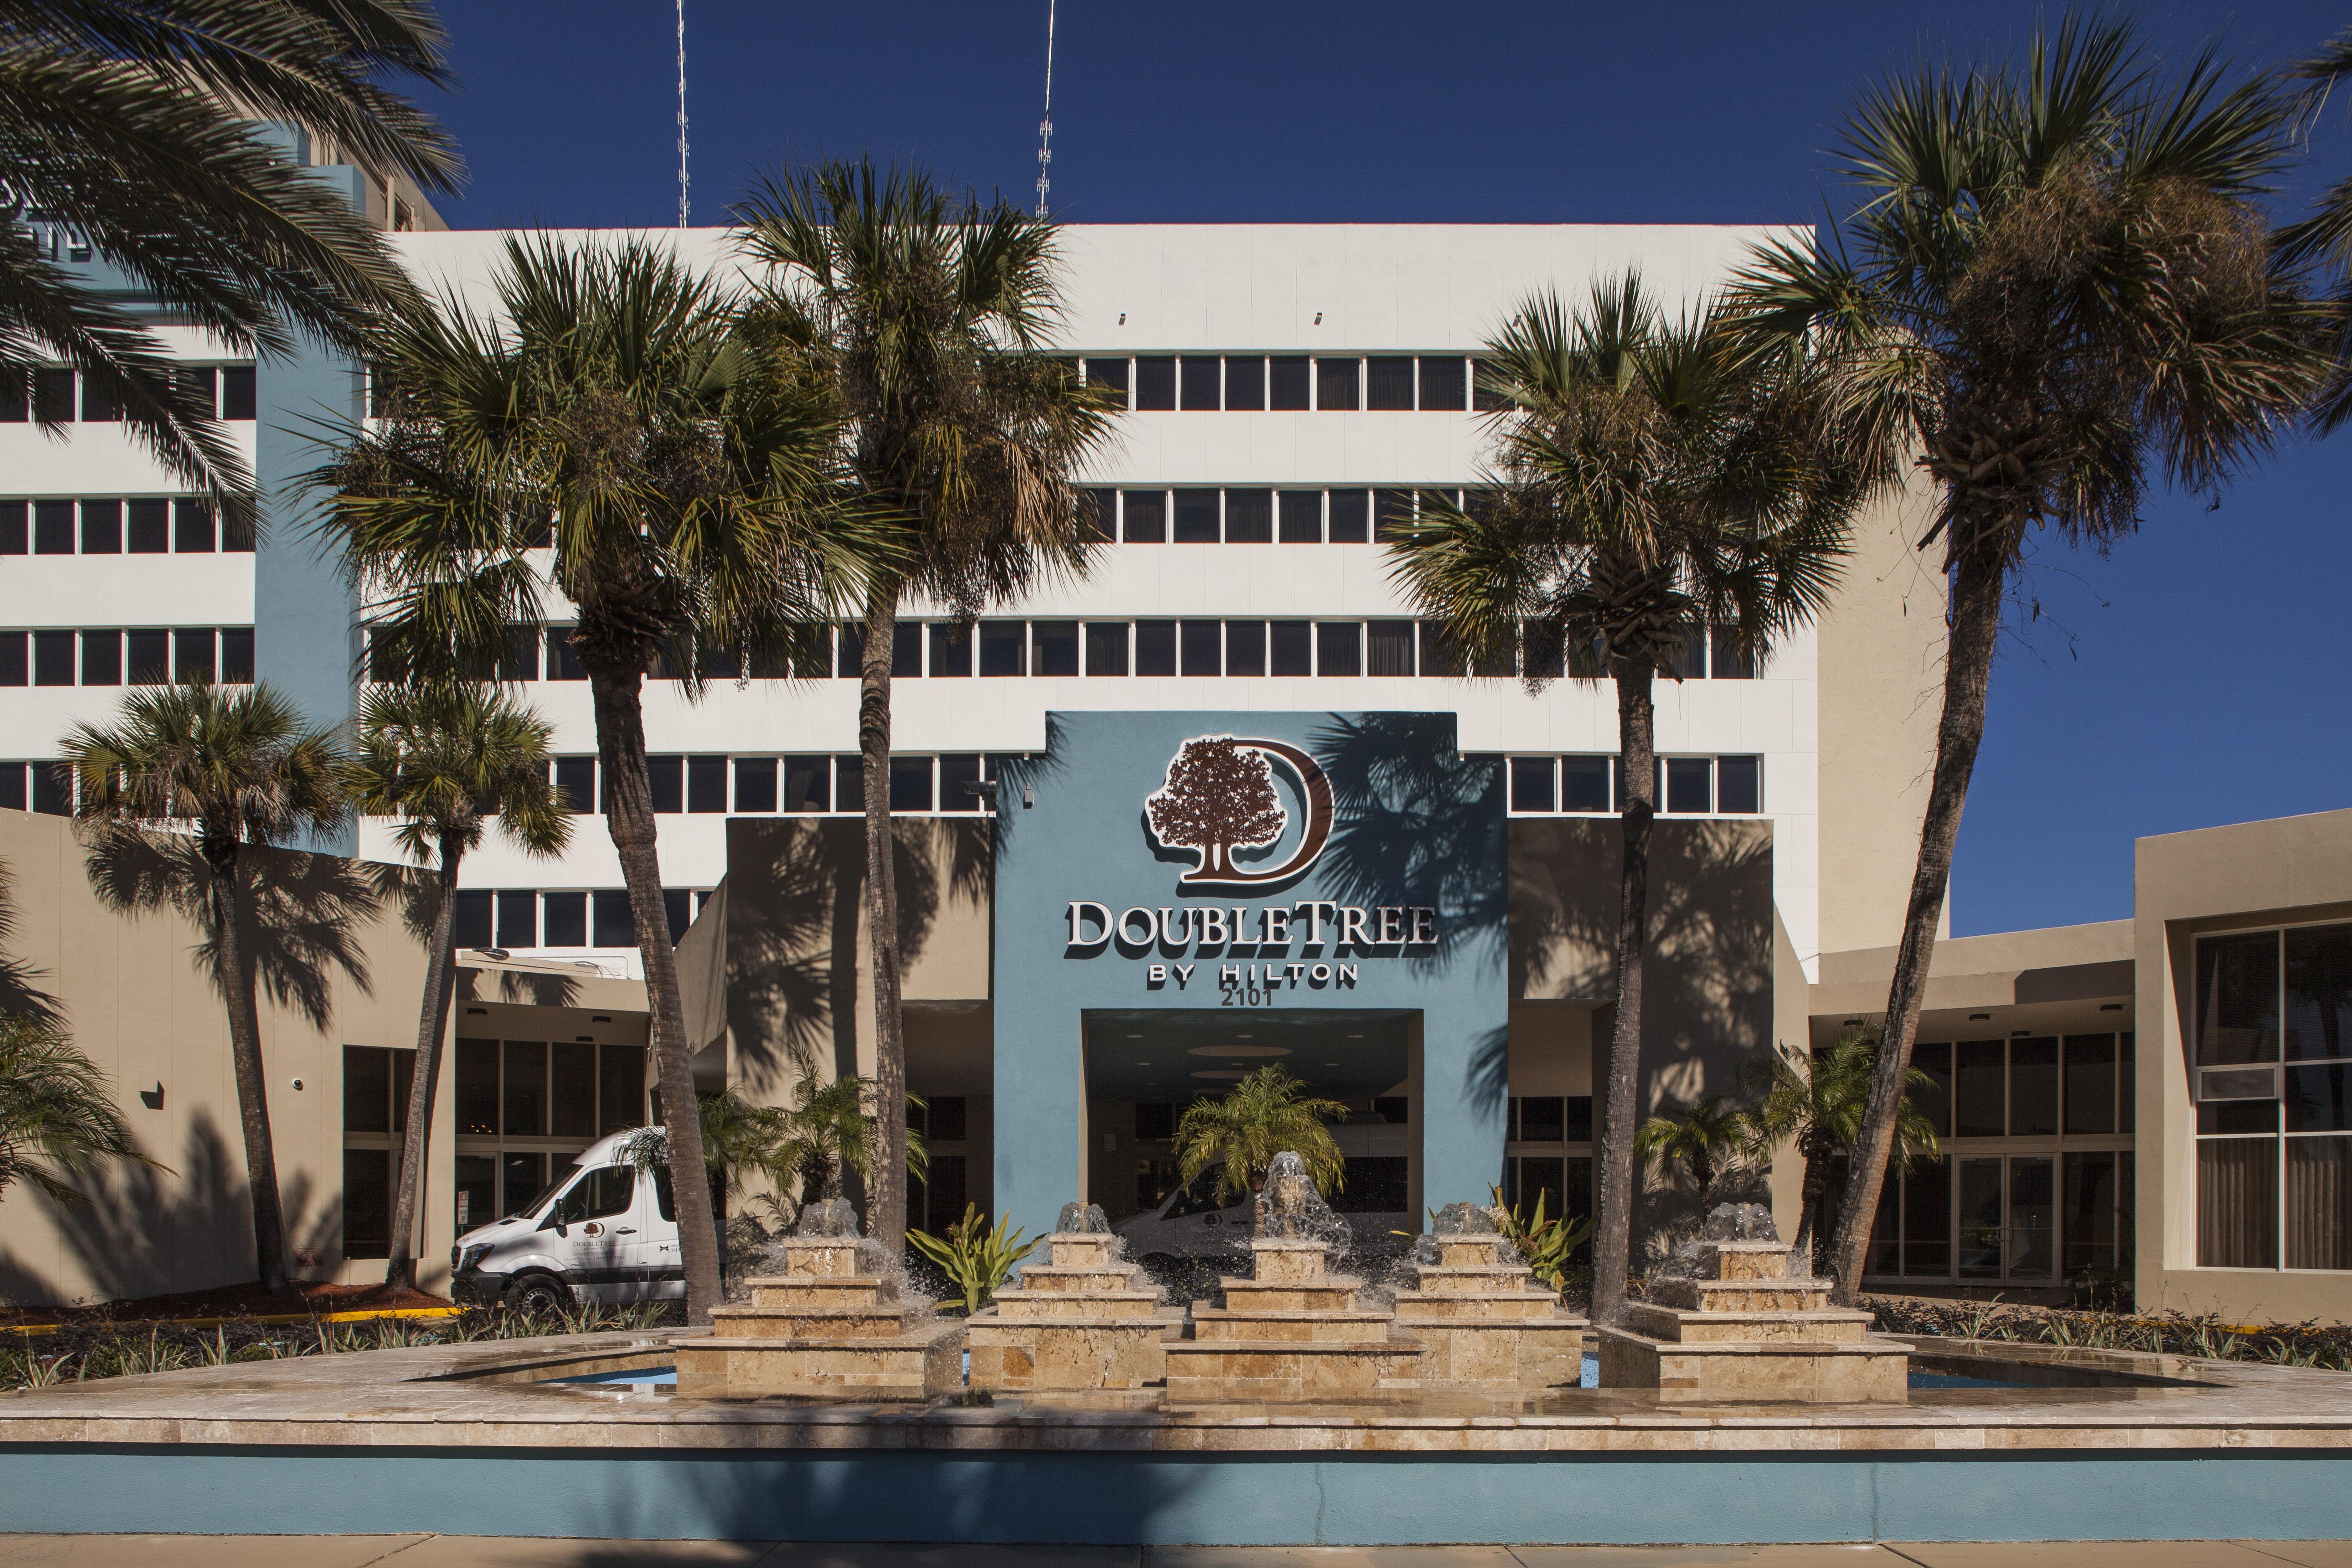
{"points": [[1391, 647], [1584, 783], [1004, 645], [53, 395], [150, 525], [1155, 383], [1105, 648], [910, 783], [1681, 786], [237, 392], [192, 654], [1532, 783], [192, 526], [2034, 1088], [705, 784], [1200, 648], [1335, 383], [666, 775], [1200, 388], [376, 1082], [1245, 384], [99, 406], [1444, 382], [1392, 514], [1302, 517], [957, 772], [755, 785], [52, 789], [1293, 651], [101, 527], [1538, 1119], [1147, 517], [1728, 663], [1249, 517], [615, 922], [950, 649], [598, 1194], [1690, 784], [474, 921], [53, 527], [1339, 647], [53, 658], [15, 397], [201, 385], [566, 920], [678, 911], [14, 539], [237, 656], [1388, 383], [1055, 647], [1288, 385], [808, 784], [1155, 648], [1739, 785], [1351, 517], [518, 918], [1098, 516], [1196, 517], [575, 780], [1244, 647], [1110, 376], [101, 658], [147, 656], [1485, 389]]}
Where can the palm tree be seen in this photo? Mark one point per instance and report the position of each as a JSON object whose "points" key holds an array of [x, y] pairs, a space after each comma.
{"points": [[614, 414], [1648, 482], [1706, 1139], [443, 758], [58, 1114], [2057, 277], [232, 765], [1816, 1101], [1241, 1131], [139, 127], [925, 314], [2325, 238]]}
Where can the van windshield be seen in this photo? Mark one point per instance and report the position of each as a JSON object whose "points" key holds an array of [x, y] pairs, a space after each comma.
{"points": [[546, 1192], [1201, 1197]]}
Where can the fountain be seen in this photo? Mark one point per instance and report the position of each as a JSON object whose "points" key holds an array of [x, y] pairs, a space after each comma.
{"points": [[1480, 1324], [1292, 1331], [1725, 1320], [1087, 1320], [835, 1323]]}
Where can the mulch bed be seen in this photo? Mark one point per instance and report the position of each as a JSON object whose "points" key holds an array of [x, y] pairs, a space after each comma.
{"points": [[231, 1300]]}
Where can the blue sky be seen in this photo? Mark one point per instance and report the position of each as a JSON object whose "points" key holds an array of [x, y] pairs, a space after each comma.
{"points": [[2183, 681]]}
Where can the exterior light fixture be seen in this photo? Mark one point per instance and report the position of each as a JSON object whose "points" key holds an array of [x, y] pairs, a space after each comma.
{"points": [[497, 953], [1319, 317], [298, 1086], [1122, 318], [2020, 1033], [478, 1012], [600, 1017], [2111, 1006], [1980, 1017], [585, 1039]]}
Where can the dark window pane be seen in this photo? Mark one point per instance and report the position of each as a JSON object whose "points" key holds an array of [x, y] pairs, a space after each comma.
{"points": [[2318, 993], [53, 527], [910, 783], [99, 406], [1739, 784], [706, 783], [1245, 384], [1689, 782], [2034, 1088], [150, 526], [2316, 1100], [1054, 646], [566, 916], [907, 650], [1155, 383], [2235, 1116], [755, 784], [1538, 1119], [518, 918], [2126, 1090], [522, 1091], [950, 649], [1934, 1057], [1485, 395], [1302, 517], [1440, 655], [2237, 1202], [620, 1089], [53, 395], [1294, 647], [1003, 647], [146, 656], [367, 1203], [1584, 783], [1200, 383], [562, 661], [1335, 383], [1727, 661], [1110, 374], [616, 921], [1339, 647], [1249, 517], [849, 784], [678, 911], [192, 654], [849, 652], [15, 537], [12, 786], [1199, 649], [101, 658], [1391, 647], [1098, 516], [1147, 517], [1287, 384], [367, 1088], [2088, 1187], [1196, 517], [958, 769], [15, 397], [192, 526], [1351, 517], [1155, 648], [201, 383], [1244, 647], [1979, 1252], [1980, 1091], [1543, 650], [573, 1114], [1105, 648], [52, 790], [1928, 1220], [666, 777], [1444, 382], [575, 780], [1392, 514], [808, 784], [53, 658], [1532, 781], [1388, 383], [237, 392], [2319, 1203], [474, 922], [2238, 998], [524, 1177], [2090, 1083], [101, 527], [1578, 1128]]}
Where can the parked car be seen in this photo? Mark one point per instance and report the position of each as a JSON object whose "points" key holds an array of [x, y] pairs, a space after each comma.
{"points": [[600, 1231], [1190, 1222]]}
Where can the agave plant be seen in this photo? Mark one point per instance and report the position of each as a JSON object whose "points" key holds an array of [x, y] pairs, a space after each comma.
{"points": [[977, 1255]]}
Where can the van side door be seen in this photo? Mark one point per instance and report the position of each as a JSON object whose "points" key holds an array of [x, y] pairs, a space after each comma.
{"points": [[597, 1219]]}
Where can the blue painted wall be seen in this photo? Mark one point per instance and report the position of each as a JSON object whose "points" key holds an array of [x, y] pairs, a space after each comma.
{"points": [[1415, 824]]}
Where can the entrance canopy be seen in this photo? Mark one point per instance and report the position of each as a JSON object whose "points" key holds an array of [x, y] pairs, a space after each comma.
{"points": [[1178, 1054]]}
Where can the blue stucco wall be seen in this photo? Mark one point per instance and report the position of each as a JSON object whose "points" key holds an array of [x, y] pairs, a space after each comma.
{"points": [[1415, 824]]}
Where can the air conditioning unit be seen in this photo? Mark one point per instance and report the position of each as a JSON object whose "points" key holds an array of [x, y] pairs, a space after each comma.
{"points": [[2259, 1081]]}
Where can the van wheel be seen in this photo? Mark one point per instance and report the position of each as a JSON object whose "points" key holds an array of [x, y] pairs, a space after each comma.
{"points": [[539, 1295]]}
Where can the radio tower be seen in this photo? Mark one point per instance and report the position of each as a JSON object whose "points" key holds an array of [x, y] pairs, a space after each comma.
{"points": [[1045, 126], [685, 203]]}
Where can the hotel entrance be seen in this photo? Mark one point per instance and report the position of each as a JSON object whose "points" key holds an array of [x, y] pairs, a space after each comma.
{"points": [[1144, 1066]]}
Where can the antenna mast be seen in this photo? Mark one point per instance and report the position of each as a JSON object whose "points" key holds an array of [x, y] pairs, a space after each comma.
{"points": [[1045, 126], [685, 203]]}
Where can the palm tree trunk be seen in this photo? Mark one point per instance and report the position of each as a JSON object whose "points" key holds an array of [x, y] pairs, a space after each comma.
{"points": [[252, 1079], [886, 1212], [1811, 1177], [1612, 1244], [629, 817], [408, 1181], [1979, 579]]}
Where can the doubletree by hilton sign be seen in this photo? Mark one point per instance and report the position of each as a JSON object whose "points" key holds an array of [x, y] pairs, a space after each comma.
{"points": [[1220, 803]]}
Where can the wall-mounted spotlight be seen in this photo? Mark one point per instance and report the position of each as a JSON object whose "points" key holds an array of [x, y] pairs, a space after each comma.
{"points": [[1319, 317], [1980, 1017], [2111, 1006], [1122, 318]]}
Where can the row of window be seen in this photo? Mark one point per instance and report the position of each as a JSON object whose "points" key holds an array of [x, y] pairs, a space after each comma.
{"points": [[943, 650], [139, 525], [1290, 382], [1729, 786], [57, 394], [1205, 515], [2028, 1087], [530, 918], [141, 656], [2026, 1219], [759, 786]]}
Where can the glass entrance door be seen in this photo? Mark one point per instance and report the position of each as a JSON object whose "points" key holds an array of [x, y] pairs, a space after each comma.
{"points": [[2032, 1219], [1980, 1219]]}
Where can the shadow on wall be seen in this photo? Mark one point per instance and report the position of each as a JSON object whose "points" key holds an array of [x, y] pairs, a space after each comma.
{"points": [[20, 996], [137, 1225]]}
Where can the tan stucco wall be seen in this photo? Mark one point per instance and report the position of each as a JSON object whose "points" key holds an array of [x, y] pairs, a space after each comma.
{"points": [[2249, 874], [2051, 981]]}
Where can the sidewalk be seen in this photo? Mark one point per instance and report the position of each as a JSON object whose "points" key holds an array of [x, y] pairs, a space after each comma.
{"points": [[491, 1552]]}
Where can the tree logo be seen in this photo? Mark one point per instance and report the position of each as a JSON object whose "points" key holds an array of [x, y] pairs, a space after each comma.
{"points": [[1220, 797]]}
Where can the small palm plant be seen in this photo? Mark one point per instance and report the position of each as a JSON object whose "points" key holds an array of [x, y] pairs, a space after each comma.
{"points": [[1708, 1140], [232, 765], [58, 1114], [1818, 1101], [1240, 1132], [446, 761]]}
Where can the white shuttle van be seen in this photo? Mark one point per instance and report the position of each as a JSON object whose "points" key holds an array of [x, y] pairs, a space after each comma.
{"points": [[600, 1231]]}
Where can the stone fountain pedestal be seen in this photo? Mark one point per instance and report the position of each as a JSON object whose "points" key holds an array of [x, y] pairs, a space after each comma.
{"points": [[1087, 1320], [823, 1328], [1481, 1324], [1290, 1332], [1730, 1323]]}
